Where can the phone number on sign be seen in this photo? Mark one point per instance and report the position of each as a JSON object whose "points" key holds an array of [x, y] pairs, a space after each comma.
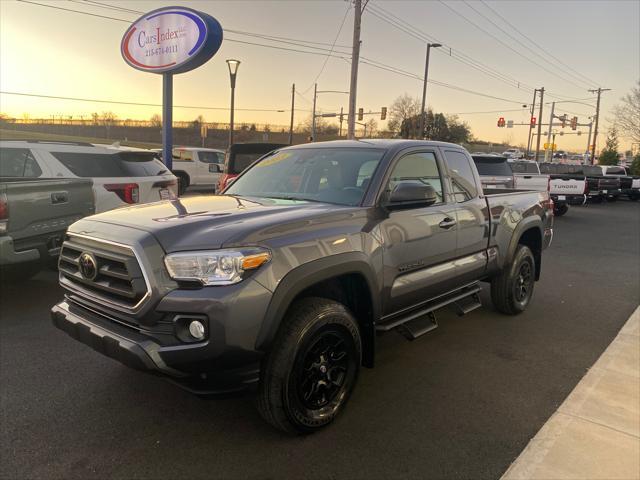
{"points": [[161, 51]]}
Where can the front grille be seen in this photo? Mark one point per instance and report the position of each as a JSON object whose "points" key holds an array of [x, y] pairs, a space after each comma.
{"points": [[119, 281]]}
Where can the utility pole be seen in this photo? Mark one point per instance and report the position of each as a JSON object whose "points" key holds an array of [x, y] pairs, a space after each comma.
{"points": [[341, 118], [423, 120], [293, 104], [355, 58], [589, 141], [595, 128], [313, 116], [546, 150], [533, 109], [540, 123]]}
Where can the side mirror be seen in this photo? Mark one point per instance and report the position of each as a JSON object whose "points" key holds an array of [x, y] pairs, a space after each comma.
{"points": [[412, 192], [215, 168]]}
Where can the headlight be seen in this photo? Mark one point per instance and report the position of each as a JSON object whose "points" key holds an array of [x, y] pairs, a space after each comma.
{"points": [[215, 267]]}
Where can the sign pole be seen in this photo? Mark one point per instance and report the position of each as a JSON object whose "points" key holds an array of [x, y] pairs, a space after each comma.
{"points": [[167, 119]]}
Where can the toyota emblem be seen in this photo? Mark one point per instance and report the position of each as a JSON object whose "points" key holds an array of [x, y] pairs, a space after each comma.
{"points": [[88, 266]]}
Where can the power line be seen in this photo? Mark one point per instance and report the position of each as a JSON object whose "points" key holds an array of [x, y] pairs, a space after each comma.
{"points": [[506, 45], [455, 54], [370, 62], [324, 64], [518, 41], [531, 40], [120, 102], [95, 3]]}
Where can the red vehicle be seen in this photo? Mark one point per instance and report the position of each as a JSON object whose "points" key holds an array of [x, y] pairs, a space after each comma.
{"points": [[240, 156]]}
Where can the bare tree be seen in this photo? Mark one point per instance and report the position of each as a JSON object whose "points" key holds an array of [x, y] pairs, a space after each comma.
{"points": [[156, 120], [403, 108], [627, 115], [372, 127]]}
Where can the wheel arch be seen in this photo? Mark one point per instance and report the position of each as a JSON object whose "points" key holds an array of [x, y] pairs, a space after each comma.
{"points": [[531, 236], [347, 278]]}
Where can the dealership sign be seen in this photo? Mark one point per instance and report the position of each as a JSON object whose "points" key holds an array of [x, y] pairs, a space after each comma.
{"points": [[171, 40]]}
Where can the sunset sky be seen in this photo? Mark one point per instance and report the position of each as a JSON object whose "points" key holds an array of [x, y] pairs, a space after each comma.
{"points": [[53, 52]]}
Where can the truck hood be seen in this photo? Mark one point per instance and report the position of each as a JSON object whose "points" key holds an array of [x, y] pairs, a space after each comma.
{"points": [[210, 222]]}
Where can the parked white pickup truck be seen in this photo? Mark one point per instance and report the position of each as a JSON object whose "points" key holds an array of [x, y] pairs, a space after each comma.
{"points": [[200, 167], [563, 188]]}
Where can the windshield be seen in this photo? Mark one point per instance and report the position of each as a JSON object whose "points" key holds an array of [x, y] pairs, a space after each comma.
{"points": [[524, 167], [211, 157], [107, 164], [493, 167], [331, 175]]}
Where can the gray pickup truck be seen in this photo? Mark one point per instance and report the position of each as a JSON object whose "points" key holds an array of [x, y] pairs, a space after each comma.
{"points": [[284, 280], [34, 216]]}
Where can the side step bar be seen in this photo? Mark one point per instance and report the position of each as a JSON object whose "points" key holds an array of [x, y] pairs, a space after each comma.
{"points": [[423, 320]]}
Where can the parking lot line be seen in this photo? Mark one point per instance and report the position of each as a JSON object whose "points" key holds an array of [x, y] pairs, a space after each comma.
{"points": [[595, 433]]}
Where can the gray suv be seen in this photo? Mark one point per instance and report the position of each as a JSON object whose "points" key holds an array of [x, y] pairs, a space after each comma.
{"points": [[284, 280]]}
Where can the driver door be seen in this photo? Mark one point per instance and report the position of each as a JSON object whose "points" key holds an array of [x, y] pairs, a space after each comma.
{"points": [[419, 242]]}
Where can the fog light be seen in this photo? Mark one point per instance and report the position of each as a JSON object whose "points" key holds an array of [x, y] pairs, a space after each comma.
{"points": [[196, 329]]}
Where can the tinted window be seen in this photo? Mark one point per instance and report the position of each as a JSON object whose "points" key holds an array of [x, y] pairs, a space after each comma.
{"points": [[121, 164], [211, 157], [420, 166], [328, 175], [524, 167], [461, 174], [592, 170], [616, 171], [241, 161], [493, 167], [18, 162]]}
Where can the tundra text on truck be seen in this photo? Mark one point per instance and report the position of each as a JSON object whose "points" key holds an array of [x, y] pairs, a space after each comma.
{"points": [[284, 279]]}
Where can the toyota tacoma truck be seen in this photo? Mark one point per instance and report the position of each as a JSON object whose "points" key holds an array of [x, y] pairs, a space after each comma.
{"points": [[283, 281], [34, 215]]}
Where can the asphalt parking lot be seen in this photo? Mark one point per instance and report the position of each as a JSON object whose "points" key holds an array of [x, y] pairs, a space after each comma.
{"points": [[460, 402]]}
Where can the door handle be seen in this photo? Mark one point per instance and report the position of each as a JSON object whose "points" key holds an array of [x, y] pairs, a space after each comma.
{"points": [[447, 223], [59, 197]]}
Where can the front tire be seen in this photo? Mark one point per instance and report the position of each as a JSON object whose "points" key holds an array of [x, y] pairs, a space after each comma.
{"points": [[511, 291], [312, 368]]}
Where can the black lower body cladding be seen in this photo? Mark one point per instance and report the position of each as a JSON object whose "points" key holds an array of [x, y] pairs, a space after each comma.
{"points": [[224, 360]]}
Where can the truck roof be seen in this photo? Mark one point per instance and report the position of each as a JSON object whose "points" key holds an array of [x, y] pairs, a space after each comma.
{"points": [[384, 143]]}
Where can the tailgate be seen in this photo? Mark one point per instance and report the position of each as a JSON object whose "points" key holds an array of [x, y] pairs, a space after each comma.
{"points": [[567, 185], [38, 207], [526, 181], [491, 182]]}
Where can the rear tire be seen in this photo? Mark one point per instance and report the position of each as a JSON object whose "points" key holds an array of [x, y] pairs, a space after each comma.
{"points": [[19, 272], [312, 367], [612, 199], [561, 210], [512, 290], [183, 183]]}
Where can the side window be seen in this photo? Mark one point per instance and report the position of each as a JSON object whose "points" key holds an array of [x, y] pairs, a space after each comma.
{"points": [[461, 174], [365, 173], [18, 162], [420, 166], [182, 155]]}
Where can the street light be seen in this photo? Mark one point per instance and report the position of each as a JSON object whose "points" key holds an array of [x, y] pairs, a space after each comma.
{"points": [[423, 119], [233, 69]]}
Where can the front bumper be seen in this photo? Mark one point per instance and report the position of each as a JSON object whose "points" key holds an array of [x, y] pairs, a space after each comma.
{"points": [[216, 365]]}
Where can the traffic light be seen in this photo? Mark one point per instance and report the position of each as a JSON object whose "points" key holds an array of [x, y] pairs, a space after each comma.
{"points": [[360, 113], [383, 113], [533, 122], [574, 123], [563, 118], [501, 122]]}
